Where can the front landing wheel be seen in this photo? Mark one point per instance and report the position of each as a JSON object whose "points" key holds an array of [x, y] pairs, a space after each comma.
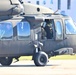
{"points": [[40, 58]]}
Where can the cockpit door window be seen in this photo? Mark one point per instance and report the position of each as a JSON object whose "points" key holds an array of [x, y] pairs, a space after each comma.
{"points": [[59, 29]]}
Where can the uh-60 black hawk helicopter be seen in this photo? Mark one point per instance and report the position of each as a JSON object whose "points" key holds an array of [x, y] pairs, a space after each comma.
{"points": [[32, 30]]}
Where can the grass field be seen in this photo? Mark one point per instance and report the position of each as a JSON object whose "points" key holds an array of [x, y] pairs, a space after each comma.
{"points": [[60, 57], [64, 57]]}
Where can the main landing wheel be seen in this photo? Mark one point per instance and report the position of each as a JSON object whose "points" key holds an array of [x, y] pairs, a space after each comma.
{"points": [[40, 58], [5, 61]]}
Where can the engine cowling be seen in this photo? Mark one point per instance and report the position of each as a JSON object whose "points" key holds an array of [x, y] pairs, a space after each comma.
{"points": [[31, 9]]}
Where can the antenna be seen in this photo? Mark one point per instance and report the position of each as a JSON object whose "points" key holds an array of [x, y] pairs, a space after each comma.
{"points": [[56, 11]]}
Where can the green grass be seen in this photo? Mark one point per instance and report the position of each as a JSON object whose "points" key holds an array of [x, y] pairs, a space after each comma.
{"points": [[60, 57], [64, 57], [25, 58]]}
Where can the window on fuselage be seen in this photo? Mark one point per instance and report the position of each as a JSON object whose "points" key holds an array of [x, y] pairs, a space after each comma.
{"points": [[6, 31], [58, 29], [23, 30], [70, 27]]}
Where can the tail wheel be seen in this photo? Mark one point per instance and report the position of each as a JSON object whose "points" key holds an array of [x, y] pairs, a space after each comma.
{"points": [[40, 59], [5, 61]]}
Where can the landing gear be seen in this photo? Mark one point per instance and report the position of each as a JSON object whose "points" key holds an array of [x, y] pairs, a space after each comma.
{"points": [[40, 58], [5, 61]]}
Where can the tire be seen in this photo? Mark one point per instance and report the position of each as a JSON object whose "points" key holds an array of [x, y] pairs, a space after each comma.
{"points": [[40, 58], [5, 61]]}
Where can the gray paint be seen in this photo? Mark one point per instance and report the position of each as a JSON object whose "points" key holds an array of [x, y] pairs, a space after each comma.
{"points": [[15, 47]]}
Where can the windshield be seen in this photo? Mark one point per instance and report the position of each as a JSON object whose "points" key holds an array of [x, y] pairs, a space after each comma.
{"points": [[70, 27]]}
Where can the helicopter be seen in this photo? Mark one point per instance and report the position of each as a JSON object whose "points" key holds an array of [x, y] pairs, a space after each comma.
{"points": [[34, 30]]}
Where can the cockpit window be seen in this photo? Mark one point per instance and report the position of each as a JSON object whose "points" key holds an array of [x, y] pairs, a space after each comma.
{"points": [[70, 27], [58, 29]]}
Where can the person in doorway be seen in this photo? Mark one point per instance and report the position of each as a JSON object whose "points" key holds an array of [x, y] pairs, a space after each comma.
{"points": [[43, 31], [48, 29]]}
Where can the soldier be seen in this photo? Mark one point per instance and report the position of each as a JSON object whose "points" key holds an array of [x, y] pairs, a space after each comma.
{"points": [[48, 29]]}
